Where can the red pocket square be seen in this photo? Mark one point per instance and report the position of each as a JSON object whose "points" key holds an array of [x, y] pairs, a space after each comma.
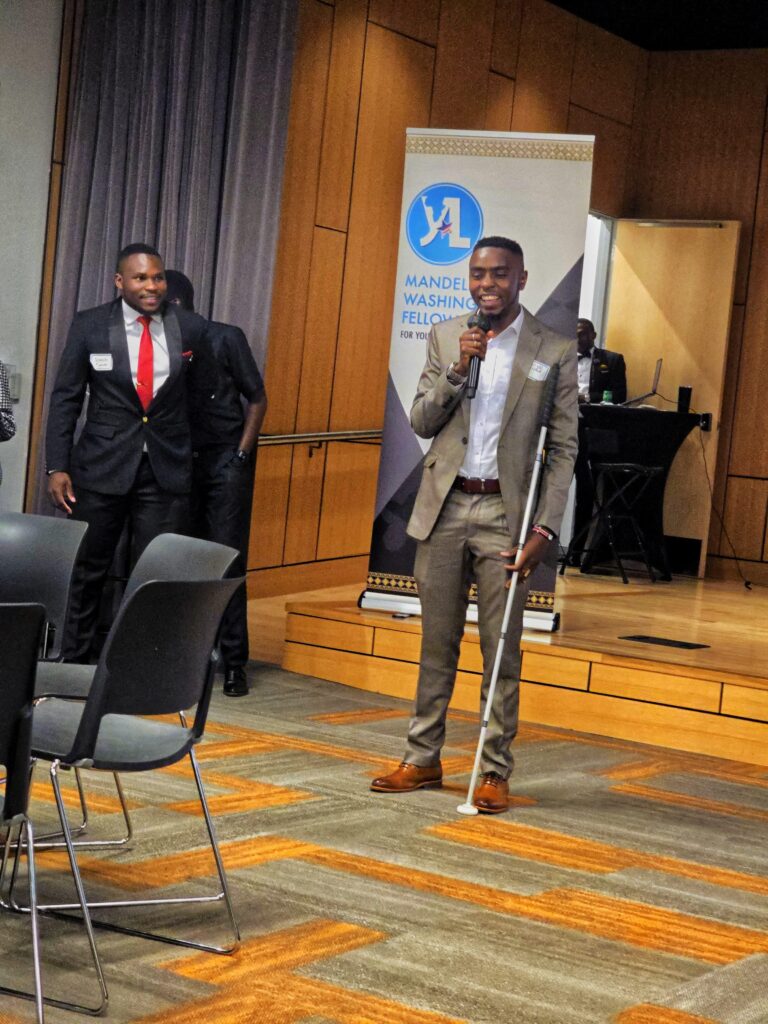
{"points": [[187, 355]]}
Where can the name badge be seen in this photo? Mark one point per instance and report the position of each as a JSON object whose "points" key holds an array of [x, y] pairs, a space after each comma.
{"points": [[101, 360], [539, 371]]}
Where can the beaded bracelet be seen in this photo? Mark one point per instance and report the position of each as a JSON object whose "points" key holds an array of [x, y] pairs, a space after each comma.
{"points": [[544, 532]]}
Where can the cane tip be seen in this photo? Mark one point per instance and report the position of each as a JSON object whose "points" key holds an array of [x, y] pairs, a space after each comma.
{"points": [[467, 809]]}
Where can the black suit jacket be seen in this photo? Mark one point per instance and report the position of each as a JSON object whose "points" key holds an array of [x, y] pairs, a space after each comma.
{"points": [[608, 373], [107, 454]]}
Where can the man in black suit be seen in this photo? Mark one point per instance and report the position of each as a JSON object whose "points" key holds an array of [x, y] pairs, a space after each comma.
{"points": [[133, 460], [224, 439], [599, 371]]}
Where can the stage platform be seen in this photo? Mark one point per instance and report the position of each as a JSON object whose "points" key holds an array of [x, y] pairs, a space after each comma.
{"points": [[587, 676]]}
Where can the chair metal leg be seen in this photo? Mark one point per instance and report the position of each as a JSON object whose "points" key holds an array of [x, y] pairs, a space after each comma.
{"points": [[29, 845], [59, 908], [54, 840], [82, 906]]}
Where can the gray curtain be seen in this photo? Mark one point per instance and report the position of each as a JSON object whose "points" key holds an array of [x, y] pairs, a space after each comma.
{"points": [[176, 132]]}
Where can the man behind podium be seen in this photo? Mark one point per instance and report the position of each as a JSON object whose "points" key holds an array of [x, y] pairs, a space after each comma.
{"points": [[599, 371], [471, 501], [132, 463]]}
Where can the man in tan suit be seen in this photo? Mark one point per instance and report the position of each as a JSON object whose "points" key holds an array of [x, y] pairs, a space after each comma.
{"points": [[472, 499]]}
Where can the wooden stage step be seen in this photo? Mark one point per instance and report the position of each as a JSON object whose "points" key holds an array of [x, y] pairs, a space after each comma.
{"points": [[712, 700]]}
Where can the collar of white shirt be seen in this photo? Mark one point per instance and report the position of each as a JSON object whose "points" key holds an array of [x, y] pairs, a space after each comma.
{"points": [[131, 315]]}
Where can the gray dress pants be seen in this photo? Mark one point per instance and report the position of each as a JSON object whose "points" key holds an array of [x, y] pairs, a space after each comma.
{"points": [[465, 544]]}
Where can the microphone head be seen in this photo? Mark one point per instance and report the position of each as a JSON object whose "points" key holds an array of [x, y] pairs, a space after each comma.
{"points": [[480, 320]]}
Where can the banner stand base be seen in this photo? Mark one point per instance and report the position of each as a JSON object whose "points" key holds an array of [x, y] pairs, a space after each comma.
{"points": [[404, 606]]}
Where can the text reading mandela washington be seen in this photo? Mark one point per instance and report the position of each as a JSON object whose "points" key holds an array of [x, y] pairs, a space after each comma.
{"points": [[439, 297]]}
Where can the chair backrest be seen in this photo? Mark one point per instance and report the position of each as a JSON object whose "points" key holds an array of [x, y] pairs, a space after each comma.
{"points": [[37, 558], [159, 656], [21, 627], [171, 556]]}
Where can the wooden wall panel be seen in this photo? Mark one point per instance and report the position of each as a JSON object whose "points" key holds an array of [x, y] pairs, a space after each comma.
{"points": [[544, 68], [461, 67], [604, 73], [702, 140], [750, 424], [507, 19], [273, 475], [320, 330], [730, 392], [303, 515], [397, 82], [338, 151], [501, 98], [609, 166], [415, 18], [297, 216], [348, 499], [745, 510]]}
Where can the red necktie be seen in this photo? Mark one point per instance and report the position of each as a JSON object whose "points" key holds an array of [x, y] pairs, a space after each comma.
{"points": [[145, 373]]}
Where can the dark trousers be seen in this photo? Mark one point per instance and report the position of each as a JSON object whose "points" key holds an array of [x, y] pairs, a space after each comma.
{"points": [[222, 495], [147, 510]]}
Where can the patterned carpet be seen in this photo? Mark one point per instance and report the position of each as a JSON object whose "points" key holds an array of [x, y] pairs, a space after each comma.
{"points": [[626, 886]]}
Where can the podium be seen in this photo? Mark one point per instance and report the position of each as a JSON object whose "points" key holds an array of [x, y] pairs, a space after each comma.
{"points": [[645, 437]]}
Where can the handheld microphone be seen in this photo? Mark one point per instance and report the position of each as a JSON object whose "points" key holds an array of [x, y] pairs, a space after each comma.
{"points": [[480, 320]]}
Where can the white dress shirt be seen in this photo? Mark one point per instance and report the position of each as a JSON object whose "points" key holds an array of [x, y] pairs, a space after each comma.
{"points": [[488, 404], [584, 364], [161, 364]]}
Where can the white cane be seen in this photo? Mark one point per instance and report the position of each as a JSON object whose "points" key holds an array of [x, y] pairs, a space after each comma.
{"points": [[546, 411]]}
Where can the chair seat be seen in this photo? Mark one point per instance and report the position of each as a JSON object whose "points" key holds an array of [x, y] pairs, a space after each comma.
{"points": [[59, 679], [125, 743]]}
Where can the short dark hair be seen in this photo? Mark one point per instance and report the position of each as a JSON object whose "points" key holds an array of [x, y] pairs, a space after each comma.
{"points": [[499, 242], [180, 290], [584, 320], [134, 249]]}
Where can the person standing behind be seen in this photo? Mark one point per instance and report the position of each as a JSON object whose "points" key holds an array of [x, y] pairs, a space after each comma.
{"points": [[132, 463], [224, 440], [7, 422]]}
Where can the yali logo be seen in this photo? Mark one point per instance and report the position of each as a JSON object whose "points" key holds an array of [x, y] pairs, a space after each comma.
{"points": [[443, 223]]}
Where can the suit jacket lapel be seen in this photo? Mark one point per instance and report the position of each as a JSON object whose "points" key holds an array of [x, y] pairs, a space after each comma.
{"points": [[172, 330], [527, 346], [118, 346], [597, 358]]}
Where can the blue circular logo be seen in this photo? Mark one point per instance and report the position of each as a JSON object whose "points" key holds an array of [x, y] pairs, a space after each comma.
{"points": [[443, 223]]}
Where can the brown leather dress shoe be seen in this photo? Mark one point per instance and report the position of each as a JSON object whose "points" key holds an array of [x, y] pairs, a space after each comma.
{"points": [[492, 795], [407, 777]]}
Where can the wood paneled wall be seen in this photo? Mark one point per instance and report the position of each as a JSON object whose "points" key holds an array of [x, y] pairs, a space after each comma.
{"points": [[678, 135], [364, 71], [701, 153]]}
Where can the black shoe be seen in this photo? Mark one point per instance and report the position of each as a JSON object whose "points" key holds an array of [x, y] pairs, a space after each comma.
{"points": [[235, 682]]}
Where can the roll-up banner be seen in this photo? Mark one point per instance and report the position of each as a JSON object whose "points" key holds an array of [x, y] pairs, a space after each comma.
{"points": [[459, 187]]}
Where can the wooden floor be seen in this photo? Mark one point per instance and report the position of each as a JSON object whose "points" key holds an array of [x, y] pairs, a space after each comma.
{"points": [[712, 700]]}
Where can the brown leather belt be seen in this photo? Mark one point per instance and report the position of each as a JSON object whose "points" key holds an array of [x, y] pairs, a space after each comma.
{"points": [[476, 485]]}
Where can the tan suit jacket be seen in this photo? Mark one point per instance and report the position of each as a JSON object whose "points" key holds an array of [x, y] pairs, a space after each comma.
{"points": [[441, 412]]}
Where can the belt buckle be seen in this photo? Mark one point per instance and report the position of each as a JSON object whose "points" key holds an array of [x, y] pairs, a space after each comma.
{"points": [[482, 485]]}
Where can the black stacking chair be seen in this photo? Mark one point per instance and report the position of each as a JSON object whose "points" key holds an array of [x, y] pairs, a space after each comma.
{"points": [[168, 556], [21, 632], [37, 558], [159, 657]]}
